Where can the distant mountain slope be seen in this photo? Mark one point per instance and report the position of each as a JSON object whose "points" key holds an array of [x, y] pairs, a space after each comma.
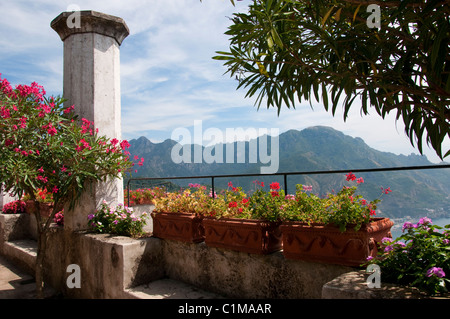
{"points": [[318, 148]]}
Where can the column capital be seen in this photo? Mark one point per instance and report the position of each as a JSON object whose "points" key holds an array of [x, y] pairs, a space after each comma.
{"points": [[90, 21]]}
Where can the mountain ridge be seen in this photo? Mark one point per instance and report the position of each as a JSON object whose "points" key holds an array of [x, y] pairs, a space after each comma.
{"points": [[317, 148]]}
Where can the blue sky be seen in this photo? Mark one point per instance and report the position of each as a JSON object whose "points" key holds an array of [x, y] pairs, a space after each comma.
{"points": [[168, 79]]}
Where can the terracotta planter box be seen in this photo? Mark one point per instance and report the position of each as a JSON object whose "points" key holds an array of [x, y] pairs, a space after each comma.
{"points": [[320, 243], [178, 226], [142, 201], [45, 208], [246, 235]]}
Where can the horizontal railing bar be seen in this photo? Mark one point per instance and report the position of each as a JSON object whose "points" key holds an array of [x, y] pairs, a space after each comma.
{"points": [[300, 173]]}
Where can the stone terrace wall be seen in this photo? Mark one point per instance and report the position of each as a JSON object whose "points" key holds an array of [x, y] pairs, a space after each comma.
{"points": [[242, 275], [111, 264]]}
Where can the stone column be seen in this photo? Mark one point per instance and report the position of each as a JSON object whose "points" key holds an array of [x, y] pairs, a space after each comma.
{"points": [[92, 84], [5, 198]]}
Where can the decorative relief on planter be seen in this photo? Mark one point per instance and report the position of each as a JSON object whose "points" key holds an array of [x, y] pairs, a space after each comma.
{"points": [[325, 243], [178, 226], [246, 235], [45, 208]]}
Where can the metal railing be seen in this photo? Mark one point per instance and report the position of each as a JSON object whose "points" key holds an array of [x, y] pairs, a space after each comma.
{"points": [[285, 175]]}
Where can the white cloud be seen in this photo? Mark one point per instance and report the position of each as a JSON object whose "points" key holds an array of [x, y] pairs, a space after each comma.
{"points": [[168, 78]]}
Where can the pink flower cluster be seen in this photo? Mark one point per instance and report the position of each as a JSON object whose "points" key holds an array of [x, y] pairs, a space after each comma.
{"points": [[14, 207], [34, 90], [82, 144], [352, 177], [59, 218], [141, 161], [51, 130]]}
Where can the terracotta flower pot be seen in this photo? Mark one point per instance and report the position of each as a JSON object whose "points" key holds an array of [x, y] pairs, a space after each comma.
{"points": [[140, 201], [325, 243], [45, 208], [178, 226], [147, 201], [246, 235]]}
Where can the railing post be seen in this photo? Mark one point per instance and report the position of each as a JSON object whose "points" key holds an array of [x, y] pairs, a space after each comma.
{"points": [[128, 192], [92, 85], [285, 184]]}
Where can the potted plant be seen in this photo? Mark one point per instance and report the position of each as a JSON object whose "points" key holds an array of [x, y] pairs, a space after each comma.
{"points": [[339, 228], [179, 215], [143, 196], [246, 223], [44, 199], [419, 258], [120, 220]]}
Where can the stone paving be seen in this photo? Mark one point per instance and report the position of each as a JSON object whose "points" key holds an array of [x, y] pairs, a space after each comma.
{"points": [[17, 284]]}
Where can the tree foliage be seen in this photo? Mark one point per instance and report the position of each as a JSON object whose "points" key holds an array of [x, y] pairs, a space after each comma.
{"points": [[284, 52], [45, 146]]}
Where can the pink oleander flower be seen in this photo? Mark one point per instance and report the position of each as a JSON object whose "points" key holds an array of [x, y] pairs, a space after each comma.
{"points": [[51, 130], [69, 109], [5, 113], [124, 144], [114, 142], [23, 122]]}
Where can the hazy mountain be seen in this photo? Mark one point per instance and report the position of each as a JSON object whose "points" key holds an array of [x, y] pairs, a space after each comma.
{"points": [[415, 192]]}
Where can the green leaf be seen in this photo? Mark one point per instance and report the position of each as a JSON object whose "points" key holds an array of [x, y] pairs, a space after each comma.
{"points": [[337, 15], [262, 69], [436, 48], [276, 38], [325, 96], [325, 18], [355, 13], [223, 56]]}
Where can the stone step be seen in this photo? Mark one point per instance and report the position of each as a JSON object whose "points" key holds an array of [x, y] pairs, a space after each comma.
{"points": [[23, 252], [17, 271], [170, 289]]}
